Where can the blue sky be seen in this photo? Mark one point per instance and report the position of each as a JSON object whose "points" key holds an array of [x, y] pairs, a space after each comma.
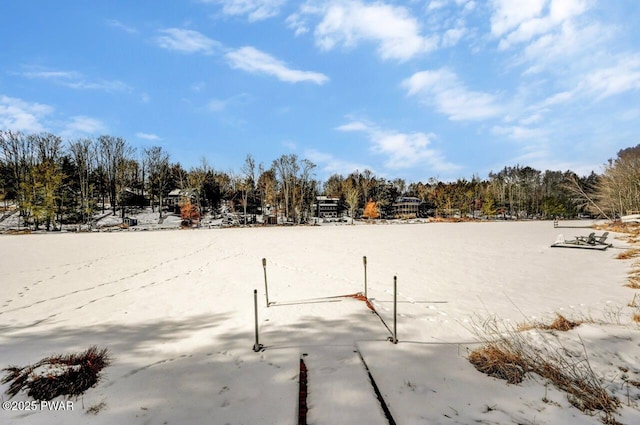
{"points": [[410, 89]]}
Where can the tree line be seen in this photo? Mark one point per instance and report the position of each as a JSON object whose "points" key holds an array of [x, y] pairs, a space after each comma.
{"points": [[52, 182]]}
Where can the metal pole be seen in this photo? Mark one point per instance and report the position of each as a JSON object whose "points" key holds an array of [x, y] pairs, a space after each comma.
{"points": [[395, 310], [256, 347], [364, 261], [266, 289]]}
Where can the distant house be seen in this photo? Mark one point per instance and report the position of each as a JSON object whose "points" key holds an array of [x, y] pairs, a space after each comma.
{"points": [[133, 197], [328, 207], [406, 207], [173, 198]]}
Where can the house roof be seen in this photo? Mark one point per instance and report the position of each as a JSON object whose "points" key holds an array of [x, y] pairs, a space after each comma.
{"points": [[183, 192], [407, 200]]}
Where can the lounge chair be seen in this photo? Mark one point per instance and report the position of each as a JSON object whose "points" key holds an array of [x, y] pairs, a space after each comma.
{"points": [[601, 240], [590, 240], [585, 242]]}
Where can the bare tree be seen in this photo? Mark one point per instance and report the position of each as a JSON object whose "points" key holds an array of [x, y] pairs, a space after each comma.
{"points": [[286, 169], [333, 186], [157, 161], [19, 156], [196, 179], [619, 186], [367, 183], [83, 155], [400, 185], [307, 188], [247, 182], [114, 151], [352, 198], [268, 186], [47, 177], [582, 194]]}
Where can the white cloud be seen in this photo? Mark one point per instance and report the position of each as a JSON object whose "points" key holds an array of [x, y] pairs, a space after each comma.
{"points": [[354, 126], [403, 150], [217, 105], [292, 146], [452, 36], [19, 115], [448, 94], [148, 136], [253, 60], [256, 10], [198, 87], [532, 119], [332, 165], [76, 80], [467, 5], [348, 23], [515, 22], [571, 47], [622, 77], [297, 23], [436, 4], [186, 41], [508, 15], [520, 133], [119, 25], [82, 125], [556, 99]]}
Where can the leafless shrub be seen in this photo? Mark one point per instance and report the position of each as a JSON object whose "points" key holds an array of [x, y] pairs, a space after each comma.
{"points": [[60, 375]]}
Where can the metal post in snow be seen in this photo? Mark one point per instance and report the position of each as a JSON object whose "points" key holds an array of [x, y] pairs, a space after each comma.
{"points": [[266, 289], [395, 310], [364, 261], [257, 346]]}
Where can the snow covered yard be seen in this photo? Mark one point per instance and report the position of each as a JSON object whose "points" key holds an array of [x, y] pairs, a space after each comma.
{"points": [[175, 309]]}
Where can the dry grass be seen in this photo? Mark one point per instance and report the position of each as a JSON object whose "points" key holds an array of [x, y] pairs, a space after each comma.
{"points": [[494, 360], [632, 229], [561, 323], [636, 317], [450, 219], [61, 375], [18, 232], [632, 232], [633, 281], [509, 354], [629, 254]]}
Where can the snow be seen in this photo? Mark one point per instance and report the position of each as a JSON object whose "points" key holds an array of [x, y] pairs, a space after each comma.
{"points": [[176, 311]]}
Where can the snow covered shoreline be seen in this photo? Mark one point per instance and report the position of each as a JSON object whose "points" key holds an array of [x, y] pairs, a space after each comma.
{"points": [[176, 311]]}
